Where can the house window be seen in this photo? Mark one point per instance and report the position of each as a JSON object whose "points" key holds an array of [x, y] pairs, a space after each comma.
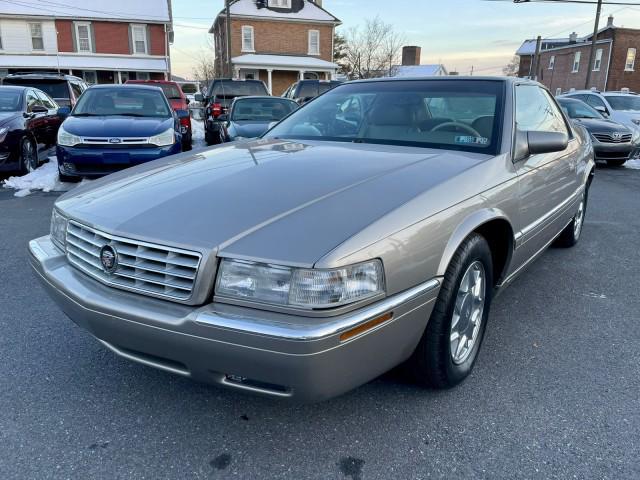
{"points": [[314, 42], [83, 37], [247, 39], [576, 62], [37, 42], [139, 37], [280, 3], [90, 76], [552, 62], [630, 64], [142, 76], [597, 63]]}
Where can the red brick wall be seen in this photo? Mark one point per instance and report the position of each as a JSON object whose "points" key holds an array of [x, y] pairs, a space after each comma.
{"points": [[65, 38], [111, 37], [281, 38], [618, 77], [158, 43]]}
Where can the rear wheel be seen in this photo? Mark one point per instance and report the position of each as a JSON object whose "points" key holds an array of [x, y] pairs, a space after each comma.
{"points": [[450, 344], [571, 234], [28, 156], [616, 162]]}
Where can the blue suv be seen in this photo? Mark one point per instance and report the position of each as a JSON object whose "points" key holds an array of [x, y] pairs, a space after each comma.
{"points": [[113, 127]]}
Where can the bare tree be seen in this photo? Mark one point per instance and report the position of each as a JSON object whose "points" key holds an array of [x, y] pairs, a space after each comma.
{"points": [[204, 69], [372, 50], [511, 68]]}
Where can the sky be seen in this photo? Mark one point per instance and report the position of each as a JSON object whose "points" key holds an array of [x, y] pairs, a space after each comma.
{"points": [[461, 34]]}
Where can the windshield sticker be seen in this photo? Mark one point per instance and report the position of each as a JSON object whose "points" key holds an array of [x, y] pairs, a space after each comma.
{"points": [[470, 140]]}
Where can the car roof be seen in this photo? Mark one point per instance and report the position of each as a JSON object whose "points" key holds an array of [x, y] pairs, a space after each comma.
{"points": [[261, 97], [505, 79], [142, 82], [14, 87], [129, 86], [44, 76]]}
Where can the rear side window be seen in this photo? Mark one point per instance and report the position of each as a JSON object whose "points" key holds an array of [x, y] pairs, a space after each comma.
{"points": [[231, 88], [77, 89], [536, 112], [32, 100], [308, 89], [47, 101]]}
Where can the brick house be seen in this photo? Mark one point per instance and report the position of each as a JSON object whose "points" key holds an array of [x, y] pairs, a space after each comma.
{"points": [[277, 41], [101, 41], [563, 63]]}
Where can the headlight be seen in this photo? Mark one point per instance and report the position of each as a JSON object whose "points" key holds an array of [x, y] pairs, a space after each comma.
{"points": [[164, 139], [67, 139], [58, 229], [298, 287], [3, 133], [635, 139]]}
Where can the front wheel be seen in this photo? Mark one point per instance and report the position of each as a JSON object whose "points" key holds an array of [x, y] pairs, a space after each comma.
{"points": [[450, 344], [28, 156]]}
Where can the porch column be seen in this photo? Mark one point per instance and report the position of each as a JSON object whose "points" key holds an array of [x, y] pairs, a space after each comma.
{"points": [[270, 80], [119, 76], [327, 76], [302, 72], [236, 72]]}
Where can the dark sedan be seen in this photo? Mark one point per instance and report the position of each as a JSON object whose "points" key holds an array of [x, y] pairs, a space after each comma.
{"points": [[29, 122], [612, 142], [250, 117]]}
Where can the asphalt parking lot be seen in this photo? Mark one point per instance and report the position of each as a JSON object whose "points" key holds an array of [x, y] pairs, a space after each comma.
{"points": [[555, 393]]}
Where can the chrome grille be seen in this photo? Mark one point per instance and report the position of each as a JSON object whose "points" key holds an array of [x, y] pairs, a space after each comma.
{"points": [[142, 267], [612, 138]]}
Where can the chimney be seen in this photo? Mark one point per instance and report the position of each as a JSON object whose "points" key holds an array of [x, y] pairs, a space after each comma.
{"points": [[610, 21], [573, 38], [411, 55]]}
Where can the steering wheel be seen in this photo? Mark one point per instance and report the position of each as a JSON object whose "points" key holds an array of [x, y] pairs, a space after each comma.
{"points": [[463, 126]]}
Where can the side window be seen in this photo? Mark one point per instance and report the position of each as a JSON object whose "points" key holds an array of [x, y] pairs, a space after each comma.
{"points": [[32, 100], [595, 101], [536, 112], [47, 101], [76, 88]]}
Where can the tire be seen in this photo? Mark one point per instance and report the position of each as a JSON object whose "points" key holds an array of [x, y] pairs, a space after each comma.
{"points": [[210, 138], [571, 233], [440, 359], [616, 163], [68, 178], [28, 156], [186, 144]]}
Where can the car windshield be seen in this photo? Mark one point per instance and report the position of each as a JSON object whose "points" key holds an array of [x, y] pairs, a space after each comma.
{"points": [[262, 109], [10, 100], [171, 91], [128, 101], [237, 88], [624, 102], [55, 89], [578, 109], [449, 114]]}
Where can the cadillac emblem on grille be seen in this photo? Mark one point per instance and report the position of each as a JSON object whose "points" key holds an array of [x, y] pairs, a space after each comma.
{"points": [[109, 259]]}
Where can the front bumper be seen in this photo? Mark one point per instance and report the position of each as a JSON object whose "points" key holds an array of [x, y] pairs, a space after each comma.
{"points": [[97, 161], [612, 151], [274, 354]]}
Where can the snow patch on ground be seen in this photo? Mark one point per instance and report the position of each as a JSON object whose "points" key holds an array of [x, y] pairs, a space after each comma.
{"points": [[197, 133], [634, 164], [44, 178]]}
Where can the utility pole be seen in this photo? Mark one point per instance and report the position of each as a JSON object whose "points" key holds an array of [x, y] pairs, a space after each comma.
{"points": [[536, 58], [471, 73], [228, 22], [592, 55]]}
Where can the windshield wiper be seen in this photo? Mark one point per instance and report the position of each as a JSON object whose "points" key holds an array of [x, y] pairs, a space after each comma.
{"points": [[85, 115], [131, 114]]}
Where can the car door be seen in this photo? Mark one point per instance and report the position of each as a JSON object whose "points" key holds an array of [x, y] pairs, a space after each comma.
{"points": [[53, 120], [547, 183], [37, 121]]}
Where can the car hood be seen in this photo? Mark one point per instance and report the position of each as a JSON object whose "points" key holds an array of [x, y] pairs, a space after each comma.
{"points": [[247, 129], [602, 125], [7, 117], [266, 200], [116, 126]]}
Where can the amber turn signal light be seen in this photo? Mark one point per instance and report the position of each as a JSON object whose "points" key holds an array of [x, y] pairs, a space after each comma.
{"points": [[366, 326]]}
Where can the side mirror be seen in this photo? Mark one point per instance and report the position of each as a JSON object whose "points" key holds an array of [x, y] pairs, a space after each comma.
{"points": [[534, 143], [182, 114], [187, 100], [198, 97], [602, 110], [64, 112], [223, 117], [39, 109]]}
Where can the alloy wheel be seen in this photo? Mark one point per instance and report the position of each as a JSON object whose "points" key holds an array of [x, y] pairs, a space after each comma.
{"points": [[467, 313]]}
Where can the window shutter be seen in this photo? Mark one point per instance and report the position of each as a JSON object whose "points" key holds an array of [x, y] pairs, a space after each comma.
{"points": [[130, 39], [92, 32], [74, 40], [148, 32]]}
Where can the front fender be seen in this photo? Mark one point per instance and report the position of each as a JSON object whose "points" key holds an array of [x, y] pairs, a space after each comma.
{"points": [[471, 223]]}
